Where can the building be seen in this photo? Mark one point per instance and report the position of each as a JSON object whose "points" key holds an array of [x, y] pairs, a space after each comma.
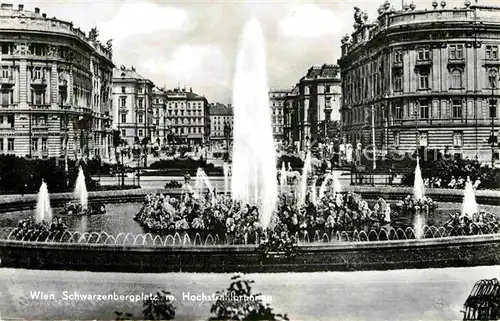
{"points": [[188, 116], [311, 105], [133, 106], [423, 79], [162, 128], [55, 87], [276, 104], [220, 117]]}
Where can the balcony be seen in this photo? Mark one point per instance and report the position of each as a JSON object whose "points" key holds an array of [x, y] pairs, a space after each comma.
{"points": [[38, 82], [456, 62], [7, 80], [40, 106], [423, 63]]}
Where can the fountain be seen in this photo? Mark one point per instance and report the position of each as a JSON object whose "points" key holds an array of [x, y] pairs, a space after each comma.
{"points": [[283, 178], [418, 193], [469, 205], [303, 182], [43, 210], [254, 156], [201, 181], [225, 168], [80, 191], [418, 185], [335, 185]]}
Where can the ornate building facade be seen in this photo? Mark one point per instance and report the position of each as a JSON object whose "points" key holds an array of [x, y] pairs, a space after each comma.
{"points": [[221, 117], [133, 106], [188, 116], [311, 105], [55, 87], [423, 79], [277, 106]]}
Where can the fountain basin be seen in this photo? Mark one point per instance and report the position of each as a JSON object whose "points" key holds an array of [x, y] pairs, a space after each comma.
{"points": [[456, 251]]}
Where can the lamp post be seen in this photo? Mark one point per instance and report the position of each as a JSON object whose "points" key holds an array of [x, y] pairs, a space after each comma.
{"points": [[387, 111], [493, 102], [374, 157]]}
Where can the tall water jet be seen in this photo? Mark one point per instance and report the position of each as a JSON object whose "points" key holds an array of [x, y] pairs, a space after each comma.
{"points": [[254, 171], [469, 205], [202, 181], [418, 184], [283, 178], [303, 182], [80, 191], [314, 192], [325, 182], [418, 194], [225, 168], [43, 211]]}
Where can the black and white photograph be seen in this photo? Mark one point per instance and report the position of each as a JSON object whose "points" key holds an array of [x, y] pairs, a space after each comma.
{"points": [[250, 160]]}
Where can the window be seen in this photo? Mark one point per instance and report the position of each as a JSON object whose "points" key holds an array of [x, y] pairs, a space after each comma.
{"points": [[141, 118], [141, 132], [124, 132], [34, 144], [139, 102], [37, 73], [123, 101], [396, 138], [398, 56], [424, 110], [124, 118], [38, 98], [123, 90], [398, 82], [424, 54], [1, 144], [5, 49], [491, 52], [44, 144], [10, 144], [493, 108], [456, 79], [327, 89], [5, 72], [457, 109], [423, 139], [11, 121], [458, 139], [456, 51], [423, 81], [5, 98]]}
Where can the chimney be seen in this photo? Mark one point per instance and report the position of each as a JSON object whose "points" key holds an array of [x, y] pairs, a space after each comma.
{"points": [[20, 7], [37, 10], [44, 15]]}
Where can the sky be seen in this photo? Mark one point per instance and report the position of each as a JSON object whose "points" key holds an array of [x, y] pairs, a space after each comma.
{"points": [[194, 43]]}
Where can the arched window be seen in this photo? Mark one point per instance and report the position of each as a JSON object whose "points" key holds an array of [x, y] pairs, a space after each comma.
{"points": [[456, 79]]}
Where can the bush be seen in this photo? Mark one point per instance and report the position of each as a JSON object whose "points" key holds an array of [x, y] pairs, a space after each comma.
{"points": [[295, 162], [445, 170], [19, 175], [248, 307], [179, 163]]}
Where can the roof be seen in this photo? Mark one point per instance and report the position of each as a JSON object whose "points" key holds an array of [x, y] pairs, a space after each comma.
{"points": [[329, 71], [220, 110], [124, 72]]}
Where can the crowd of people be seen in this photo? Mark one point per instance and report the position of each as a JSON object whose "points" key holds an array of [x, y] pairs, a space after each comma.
{"points": [[222, 215]]}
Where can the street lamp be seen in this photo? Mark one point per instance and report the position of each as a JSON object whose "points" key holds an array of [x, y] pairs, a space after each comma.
{"points": [[493, 139], [374, 157], [387, 111]]}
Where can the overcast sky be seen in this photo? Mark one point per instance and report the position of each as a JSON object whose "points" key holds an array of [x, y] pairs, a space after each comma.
{"points": [[194, 43]]}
